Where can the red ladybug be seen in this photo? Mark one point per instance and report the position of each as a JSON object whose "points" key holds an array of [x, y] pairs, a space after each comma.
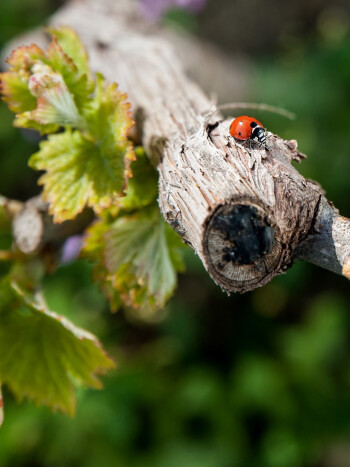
{"points": [[248, 128]]}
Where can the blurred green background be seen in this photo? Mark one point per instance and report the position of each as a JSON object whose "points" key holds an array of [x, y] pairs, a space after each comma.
{"points": [[261, 379]]}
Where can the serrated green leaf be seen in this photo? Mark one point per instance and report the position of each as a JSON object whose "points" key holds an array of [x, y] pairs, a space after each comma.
{"points": [[142, 255], [107, 287], [79, 174], [55, 103], [23, 58], [73, 47], [21, 121], [14, 83], [108, 114], [136, 258], [78, 83], [15, 92], [1, 407], [143, 186], [93, 248], [45, 90], [42, 354], [90, 168]]}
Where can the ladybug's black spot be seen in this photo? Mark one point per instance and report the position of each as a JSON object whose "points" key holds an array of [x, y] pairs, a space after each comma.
{"points": [[239, 133], [249, 235], [253, 124]]}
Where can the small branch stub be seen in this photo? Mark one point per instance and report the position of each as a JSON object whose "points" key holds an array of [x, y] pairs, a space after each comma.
{"points": [[33, 227], [28, 229]]}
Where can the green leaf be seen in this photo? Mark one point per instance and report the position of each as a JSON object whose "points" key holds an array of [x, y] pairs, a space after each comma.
{"points": [[142, 255], [14, 83], [15, 92], [143, 186], [50, 91], [22, 121], [136, 258], [73, 47], [42, 354], [78, 83], [108, 114], [55, 103], [94, 244], [63, 88], [80, 173], [23, 58]]}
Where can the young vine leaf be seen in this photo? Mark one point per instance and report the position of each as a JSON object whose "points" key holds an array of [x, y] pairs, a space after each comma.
{"points": [[78, 175], [141, 256], [142, 188], [93, 249], [72, 47], [42, 354], [88, 163], [14, 83]]}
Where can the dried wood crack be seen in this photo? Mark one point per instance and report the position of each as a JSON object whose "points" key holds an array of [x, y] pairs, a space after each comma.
{"points": [[246, 212]]}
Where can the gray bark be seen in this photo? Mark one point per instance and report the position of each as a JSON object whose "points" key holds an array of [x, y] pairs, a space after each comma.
{"points": [[247, 212]]}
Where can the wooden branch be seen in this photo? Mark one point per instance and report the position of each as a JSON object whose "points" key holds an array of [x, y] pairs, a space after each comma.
{"points": [[328, 242], [243, 210], [247, 212], [33, 228]]}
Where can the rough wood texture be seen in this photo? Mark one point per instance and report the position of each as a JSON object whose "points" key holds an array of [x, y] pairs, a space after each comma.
{"points": [[247, 212], [328, 242], [243, 210]]}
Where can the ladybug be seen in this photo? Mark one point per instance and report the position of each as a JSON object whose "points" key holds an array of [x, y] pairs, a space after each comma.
{"points": [[248, 129]]}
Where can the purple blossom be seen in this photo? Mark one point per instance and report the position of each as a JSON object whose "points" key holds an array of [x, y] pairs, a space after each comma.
{"points": [[71, 248], [155, 9]]}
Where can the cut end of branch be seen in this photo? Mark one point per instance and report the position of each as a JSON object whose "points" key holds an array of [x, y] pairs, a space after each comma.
{"points": [[28, 228], [242, 246]]}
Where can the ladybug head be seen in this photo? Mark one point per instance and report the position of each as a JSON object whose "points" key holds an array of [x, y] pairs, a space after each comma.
{"points": [[259, 134]]}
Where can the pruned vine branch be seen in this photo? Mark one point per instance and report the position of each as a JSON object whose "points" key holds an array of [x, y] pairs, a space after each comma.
{"points": [[247, 212]]}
